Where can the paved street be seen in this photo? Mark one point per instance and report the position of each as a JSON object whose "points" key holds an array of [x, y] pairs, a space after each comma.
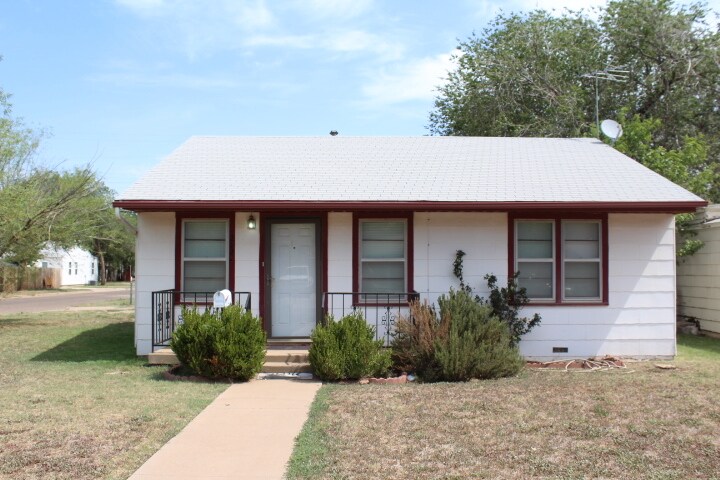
{"points": [[47, 302]]}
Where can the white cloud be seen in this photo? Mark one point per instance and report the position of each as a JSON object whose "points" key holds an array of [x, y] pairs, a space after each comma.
{"points": [[339, 41], [410, 81], [337, 9], [358, 40], [285, 41], [485, 10], [141, 6], [203, 27], [165, 80]]}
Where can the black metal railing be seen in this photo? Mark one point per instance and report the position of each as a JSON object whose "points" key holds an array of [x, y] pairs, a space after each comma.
{"points": [[380, 310], [167, 314]]}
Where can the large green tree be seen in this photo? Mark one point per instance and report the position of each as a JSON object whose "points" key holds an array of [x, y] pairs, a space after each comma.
{"points": [[535, 74], [521, 76], [40, 206]]}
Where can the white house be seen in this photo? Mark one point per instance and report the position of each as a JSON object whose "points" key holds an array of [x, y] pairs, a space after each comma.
{"points": [[303, 226], [77, 265], [698, 278]]}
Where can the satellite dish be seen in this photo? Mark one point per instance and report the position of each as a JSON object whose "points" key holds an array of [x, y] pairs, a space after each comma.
{"points": [[612, 129]]}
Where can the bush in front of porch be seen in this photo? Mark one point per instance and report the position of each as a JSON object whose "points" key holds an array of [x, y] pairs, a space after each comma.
{"points": [[464, 341], [347, 350], [225, 345]]}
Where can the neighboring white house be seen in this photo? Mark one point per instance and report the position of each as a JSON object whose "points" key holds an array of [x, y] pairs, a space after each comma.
{"points": [[698, 280], [77, 265], [314, 225]]}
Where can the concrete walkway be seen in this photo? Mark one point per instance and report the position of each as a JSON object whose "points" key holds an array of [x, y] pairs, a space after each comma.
{"points": [[247, 432]]}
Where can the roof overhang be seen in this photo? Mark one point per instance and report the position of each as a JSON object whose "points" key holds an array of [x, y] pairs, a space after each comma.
{"points": [[420, 206]]}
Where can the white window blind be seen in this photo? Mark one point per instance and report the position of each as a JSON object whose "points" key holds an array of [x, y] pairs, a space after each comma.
{"points": [[535, 259], [383, 256], [581, 259], [205, 255]]}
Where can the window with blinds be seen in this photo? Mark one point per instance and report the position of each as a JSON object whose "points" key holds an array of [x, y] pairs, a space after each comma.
{"points": [[581, 259], [579, 255], [383, 256], [205, 255], [535, 258]]}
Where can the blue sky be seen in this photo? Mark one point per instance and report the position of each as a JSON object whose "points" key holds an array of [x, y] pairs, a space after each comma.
{"points": [[121, 83]]}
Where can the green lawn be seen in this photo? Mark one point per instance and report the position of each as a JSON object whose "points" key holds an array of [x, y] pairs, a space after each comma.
{"points": [[76, 402], [638, 422]]}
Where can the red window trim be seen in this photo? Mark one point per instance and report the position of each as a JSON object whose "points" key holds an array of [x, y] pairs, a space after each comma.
{"points": [[410, 256], [230, 217], [558, 287]]}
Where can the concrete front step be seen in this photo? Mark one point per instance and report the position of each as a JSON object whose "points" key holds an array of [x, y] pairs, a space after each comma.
{"points": [[277, 360], [164, 356], [286, 360], [282, 367], [286, 355]]}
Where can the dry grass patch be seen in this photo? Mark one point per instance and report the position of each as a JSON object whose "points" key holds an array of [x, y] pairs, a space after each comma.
{"points": [[76, 401], [641, 422]]}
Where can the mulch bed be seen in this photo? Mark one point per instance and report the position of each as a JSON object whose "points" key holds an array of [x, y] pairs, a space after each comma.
{"points": [[179, 373]]}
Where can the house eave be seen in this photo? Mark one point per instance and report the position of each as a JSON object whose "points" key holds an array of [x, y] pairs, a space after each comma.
{"points": [[424, 206]]}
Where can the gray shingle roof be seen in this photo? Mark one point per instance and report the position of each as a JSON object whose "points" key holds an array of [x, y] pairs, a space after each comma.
{"points": [[402, 169]]}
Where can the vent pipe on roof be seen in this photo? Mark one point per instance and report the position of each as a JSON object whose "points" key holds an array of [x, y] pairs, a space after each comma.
{"points": [[333, 133]]}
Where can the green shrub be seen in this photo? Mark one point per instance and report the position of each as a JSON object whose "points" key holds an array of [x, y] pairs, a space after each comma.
{"points": [[506, 302], [477, 346], [229, 345], [347, 350], [465, 341]]}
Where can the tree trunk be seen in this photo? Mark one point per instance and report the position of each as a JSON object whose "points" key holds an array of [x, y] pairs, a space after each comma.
{"points": [[101, 268], [102, 275]]}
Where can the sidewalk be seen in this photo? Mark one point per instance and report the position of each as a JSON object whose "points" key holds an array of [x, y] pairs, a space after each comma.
{"points": [[247, 432]]}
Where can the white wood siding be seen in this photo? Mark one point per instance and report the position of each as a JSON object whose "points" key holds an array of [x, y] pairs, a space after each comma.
{"points": [[483, 238], [640, 318], [698, 280], [154, 269], [340, 277], [247, 258], [155, 266], [77, 265]]}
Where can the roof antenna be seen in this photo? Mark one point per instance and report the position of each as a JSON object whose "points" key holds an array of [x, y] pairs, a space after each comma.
{"points": [[333, 133]]}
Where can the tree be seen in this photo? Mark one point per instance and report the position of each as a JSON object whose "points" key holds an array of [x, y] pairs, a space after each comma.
{"points": [[685, 165], [672, 57], [107, 237], [521, 77], [525, 75], [38, 205]]}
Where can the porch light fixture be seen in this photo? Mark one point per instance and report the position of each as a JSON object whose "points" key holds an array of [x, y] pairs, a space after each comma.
{"points": [[251, 223]]}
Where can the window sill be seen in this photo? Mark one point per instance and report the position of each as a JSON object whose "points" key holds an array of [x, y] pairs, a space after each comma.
{"points": [[598, 303]]}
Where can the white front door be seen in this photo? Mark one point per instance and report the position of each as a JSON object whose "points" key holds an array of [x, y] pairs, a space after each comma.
{"points": [[293, 279]]}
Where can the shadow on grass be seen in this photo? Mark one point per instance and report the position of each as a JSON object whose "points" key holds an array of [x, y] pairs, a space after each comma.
{"points": [[692, 345], [113, 342], [14, 322]]}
